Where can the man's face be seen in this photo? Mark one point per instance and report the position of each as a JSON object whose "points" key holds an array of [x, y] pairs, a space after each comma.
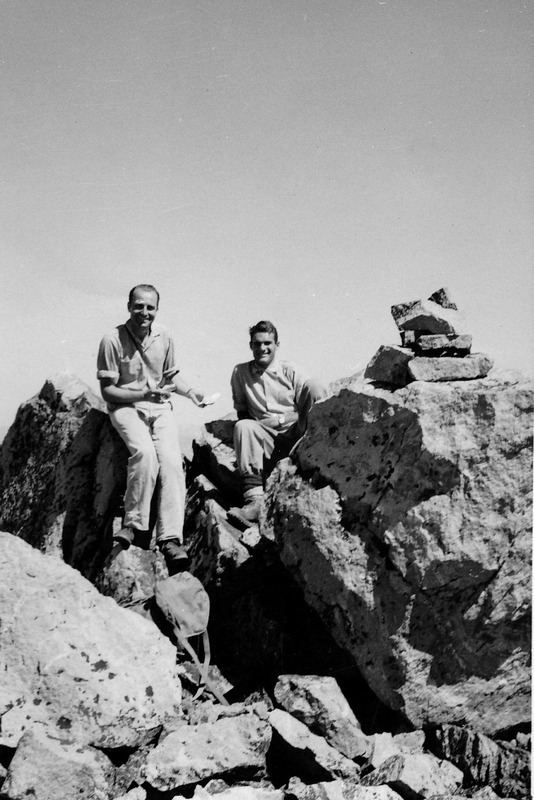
{"points": [[143, 310], [263, 348]]}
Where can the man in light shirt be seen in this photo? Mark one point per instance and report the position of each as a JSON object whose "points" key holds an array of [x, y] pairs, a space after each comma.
{"points": [[137, 373], [272, 400]]}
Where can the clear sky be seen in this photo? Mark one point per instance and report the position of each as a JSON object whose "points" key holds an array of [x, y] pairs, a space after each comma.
{"points": [[307, 161]]}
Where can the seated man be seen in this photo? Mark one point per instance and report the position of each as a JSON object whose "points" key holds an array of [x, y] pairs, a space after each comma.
{"points": [[137, 373], [272, 400]]}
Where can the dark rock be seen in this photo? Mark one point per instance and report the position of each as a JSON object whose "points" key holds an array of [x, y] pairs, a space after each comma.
{"points": [[389, 365], [502, 766]]}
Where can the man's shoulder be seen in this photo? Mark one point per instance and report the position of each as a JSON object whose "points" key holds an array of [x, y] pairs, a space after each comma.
{"points": [[114, 334], [242, 368]]}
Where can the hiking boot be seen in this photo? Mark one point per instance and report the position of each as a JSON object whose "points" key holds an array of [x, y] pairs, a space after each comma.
{"points": [[249, 513], [175, 556], [124, 537]]}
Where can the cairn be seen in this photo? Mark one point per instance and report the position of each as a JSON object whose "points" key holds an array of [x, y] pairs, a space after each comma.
{"points": [[434, 346]]}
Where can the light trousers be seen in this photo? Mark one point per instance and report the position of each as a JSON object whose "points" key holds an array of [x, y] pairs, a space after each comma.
{"points": [[258, 446], [151, 435]]}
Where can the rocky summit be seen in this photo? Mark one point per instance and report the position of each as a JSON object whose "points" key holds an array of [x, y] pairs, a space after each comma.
{"points": [[370, 636]]}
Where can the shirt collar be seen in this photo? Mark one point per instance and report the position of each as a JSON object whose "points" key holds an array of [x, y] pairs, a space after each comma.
{"points": [[154, 332], [273, 368]]}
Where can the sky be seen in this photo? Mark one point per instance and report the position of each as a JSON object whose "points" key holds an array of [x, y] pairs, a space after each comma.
{"points": [[312, 162]]}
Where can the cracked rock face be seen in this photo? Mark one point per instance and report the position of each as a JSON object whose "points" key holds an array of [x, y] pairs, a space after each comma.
{"points": [[406, 523], [73, 662]]}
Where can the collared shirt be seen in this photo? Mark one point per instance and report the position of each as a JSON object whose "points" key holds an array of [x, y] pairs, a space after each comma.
{"points": [[134, 364], [262, 392]]}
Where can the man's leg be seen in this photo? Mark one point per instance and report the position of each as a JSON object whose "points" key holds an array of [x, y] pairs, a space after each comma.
{"points": [[253, 442], [143, 466], [171, 499], [312, 391]]}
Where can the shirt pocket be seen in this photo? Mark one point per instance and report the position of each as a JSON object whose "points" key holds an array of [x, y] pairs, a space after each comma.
{"points": [[131, 368]]}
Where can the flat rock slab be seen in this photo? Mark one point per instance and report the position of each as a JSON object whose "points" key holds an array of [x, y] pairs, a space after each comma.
{"points": [[313, 758], [73, 661], [45, 769], [319, 703], [469, 368], [232, 746], [427, 317], [416, 776], [443, 344]]}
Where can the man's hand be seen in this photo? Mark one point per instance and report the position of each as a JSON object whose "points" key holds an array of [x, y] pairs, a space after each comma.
{"points": [[196, 397], [159, 395]]}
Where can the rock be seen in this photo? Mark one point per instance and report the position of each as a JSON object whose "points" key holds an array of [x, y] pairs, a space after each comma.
{"points": [[337, 790], [416, 776], [383, 745], [260, 625], [442, 298], [427, 316], [502, 766], [63, 471], [406, 523], [443, 344], [73, 661], [240, 793], [214, 457], [469, 368], [230, 746], [312, 759], [46, 769], [390, 365], [138, 793], [318, 702]]}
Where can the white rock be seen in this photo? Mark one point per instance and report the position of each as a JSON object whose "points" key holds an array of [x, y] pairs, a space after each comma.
{"points": [[416, 775], [319, 703], [415, 547], [45, 769], [74, 661], [193, 753], [310, 752]]}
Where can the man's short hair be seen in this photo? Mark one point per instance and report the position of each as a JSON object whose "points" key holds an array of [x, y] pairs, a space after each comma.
{"points": [[145, 287], [264, 326]]}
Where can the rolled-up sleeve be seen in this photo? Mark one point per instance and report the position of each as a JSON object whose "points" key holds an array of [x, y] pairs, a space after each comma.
{"points": [[107, 362]]}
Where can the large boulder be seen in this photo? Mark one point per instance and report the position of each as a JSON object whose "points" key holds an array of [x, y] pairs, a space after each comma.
{"points": [[406, 521], [73, 662], [62, 474], [45, 769]]}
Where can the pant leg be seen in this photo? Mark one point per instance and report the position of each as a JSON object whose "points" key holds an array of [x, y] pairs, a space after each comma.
{"points": [[312, 391], [253, 442], [171, 498], [143, 466]]}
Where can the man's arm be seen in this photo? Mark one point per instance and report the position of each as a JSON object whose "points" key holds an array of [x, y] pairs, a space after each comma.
{"points": [[182, 387], [119, 395], [239, 397]]}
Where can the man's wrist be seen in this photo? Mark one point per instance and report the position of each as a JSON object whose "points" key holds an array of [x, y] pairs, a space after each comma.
{"points": [[281, 420]]}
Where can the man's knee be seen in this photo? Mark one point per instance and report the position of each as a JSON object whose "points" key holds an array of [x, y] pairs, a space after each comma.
{"points": [[245, 428], [315, 389]]}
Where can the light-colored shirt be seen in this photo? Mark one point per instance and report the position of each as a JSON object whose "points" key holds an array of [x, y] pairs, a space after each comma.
{"points": [[134, 364], [262, 392]]}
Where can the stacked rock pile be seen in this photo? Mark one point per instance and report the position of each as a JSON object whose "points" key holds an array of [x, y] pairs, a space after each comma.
{"points": [[434, 346]]}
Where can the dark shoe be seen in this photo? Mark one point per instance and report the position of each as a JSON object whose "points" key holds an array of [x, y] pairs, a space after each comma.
{"points": [[124, 537], [250, 513], [175, 556]]}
